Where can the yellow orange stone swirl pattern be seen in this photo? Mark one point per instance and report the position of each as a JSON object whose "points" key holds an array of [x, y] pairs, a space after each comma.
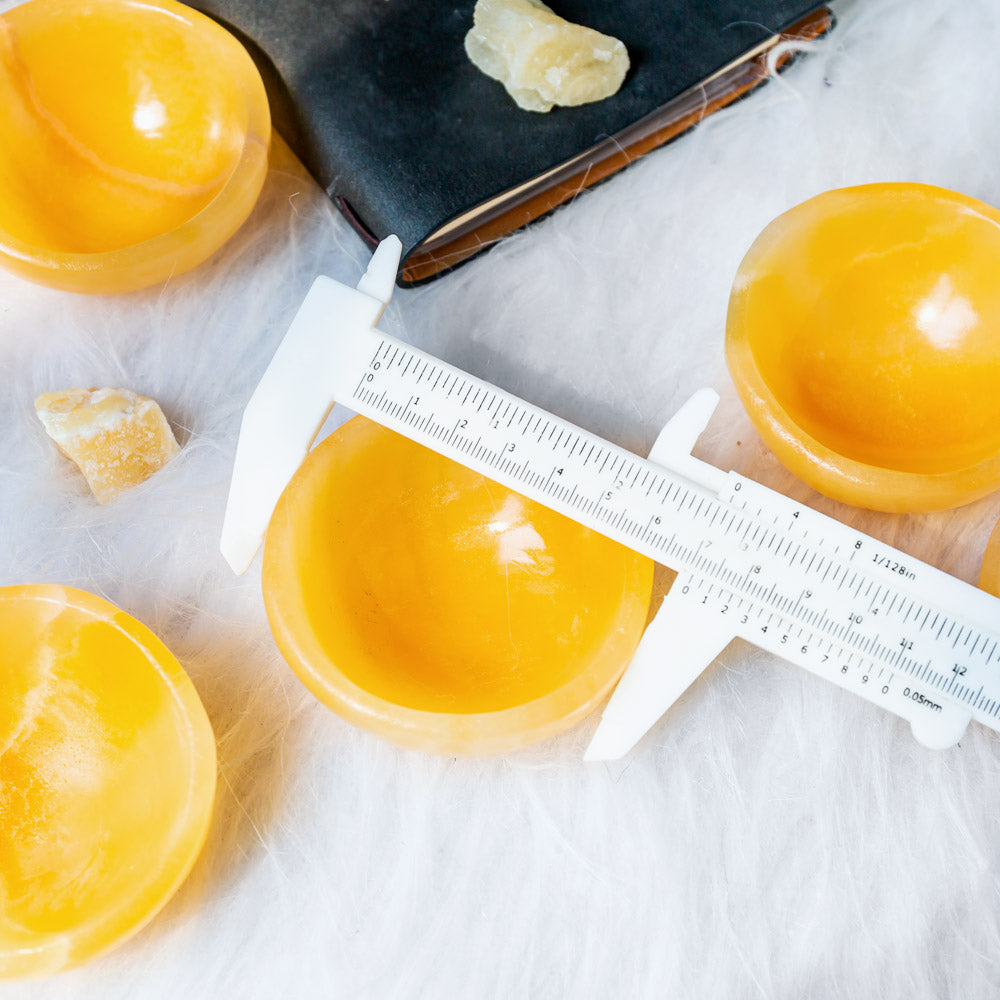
{"points": [[439, 609], [863, 337], [107, 777], [133, 141]]}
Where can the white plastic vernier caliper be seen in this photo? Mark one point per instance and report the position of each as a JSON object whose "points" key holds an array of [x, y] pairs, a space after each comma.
{"points": [[750, 562]]}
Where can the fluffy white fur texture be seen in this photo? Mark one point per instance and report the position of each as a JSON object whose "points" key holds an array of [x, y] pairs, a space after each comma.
{"points": [[773, 837]]}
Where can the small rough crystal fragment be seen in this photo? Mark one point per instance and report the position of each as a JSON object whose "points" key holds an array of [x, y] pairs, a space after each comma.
{"points": [[116, 437], [541, 58]]}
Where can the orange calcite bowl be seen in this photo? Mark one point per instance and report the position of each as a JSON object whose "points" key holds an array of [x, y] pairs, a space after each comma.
{"points": [[133, 141], [441, 610], [107, 777], [863, 337]]}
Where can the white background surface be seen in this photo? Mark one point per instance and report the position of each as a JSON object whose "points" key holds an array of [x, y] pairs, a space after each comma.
{"points": [[773, 837]]}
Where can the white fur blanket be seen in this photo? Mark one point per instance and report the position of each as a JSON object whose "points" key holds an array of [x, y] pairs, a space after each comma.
{"points": [[773, 837]]}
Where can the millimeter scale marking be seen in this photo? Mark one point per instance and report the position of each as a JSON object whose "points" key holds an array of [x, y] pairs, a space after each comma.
{"points": [[751, 562]]}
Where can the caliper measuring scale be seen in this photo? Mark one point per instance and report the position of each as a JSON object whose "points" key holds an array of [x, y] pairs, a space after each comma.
{"points": [[751, 563]]}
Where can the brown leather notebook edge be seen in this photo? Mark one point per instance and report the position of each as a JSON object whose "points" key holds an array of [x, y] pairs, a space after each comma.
{"points": [[440, 251]]}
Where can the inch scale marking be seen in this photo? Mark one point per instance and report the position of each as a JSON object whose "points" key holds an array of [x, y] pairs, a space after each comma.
{"points": [[789, 580], [750, 562]]}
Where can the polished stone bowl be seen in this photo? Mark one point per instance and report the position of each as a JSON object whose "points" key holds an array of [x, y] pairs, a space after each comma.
{"points": [[133, 141]]}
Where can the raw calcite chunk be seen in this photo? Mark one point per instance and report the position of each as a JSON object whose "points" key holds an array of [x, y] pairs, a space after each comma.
{"points": [[116, 437], [541, 58]]}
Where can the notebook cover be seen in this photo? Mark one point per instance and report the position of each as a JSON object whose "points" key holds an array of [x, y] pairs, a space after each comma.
{"points": [[382, 105]]}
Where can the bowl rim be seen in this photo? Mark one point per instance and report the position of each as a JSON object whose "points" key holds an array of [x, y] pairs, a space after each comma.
{"points": [[221, 217], [99, 933], [463, 733], [831, 473]]}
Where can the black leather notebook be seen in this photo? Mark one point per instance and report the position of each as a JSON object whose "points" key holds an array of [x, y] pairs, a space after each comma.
{"points": [[380, 102]]}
